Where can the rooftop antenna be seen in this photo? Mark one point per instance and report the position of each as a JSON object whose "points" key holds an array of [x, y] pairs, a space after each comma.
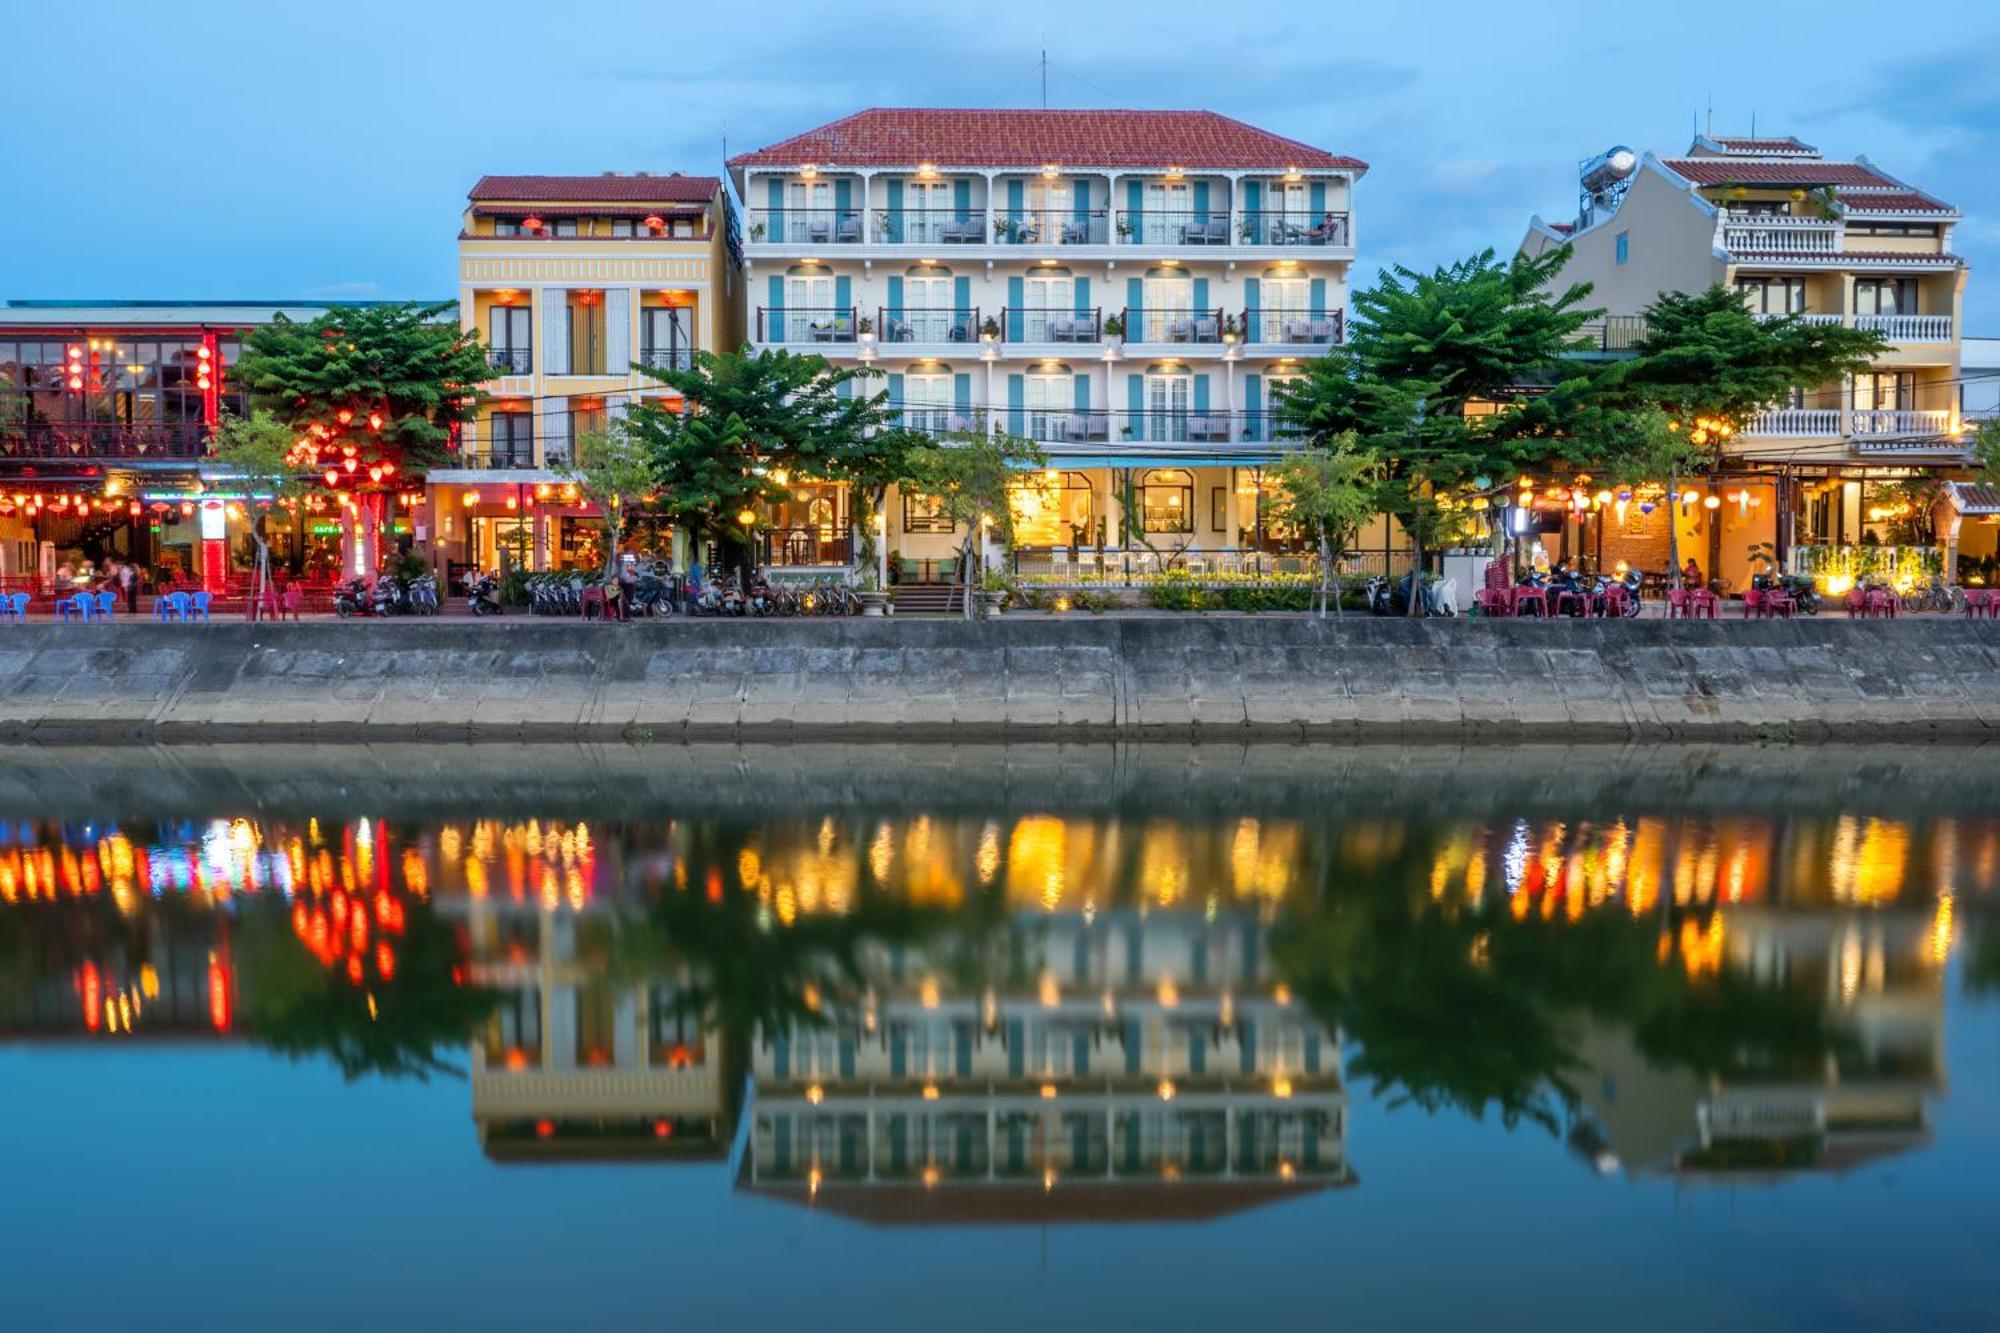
{"points": [[1710, 131], [1753, 124], [1045, 78]]}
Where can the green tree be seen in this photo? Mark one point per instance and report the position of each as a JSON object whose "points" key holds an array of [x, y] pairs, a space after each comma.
{"points": [[369, 392], [753, 424], [1985, 449], [262, 452], [613, 468], [1428, 358], [1330, 493], [970, 473]]}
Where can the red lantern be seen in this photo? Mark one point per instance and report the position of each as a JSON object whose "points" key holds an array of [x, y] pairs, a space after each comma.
{"points": [[374, 421], [187, 509], [388, 468], [344, 415], [349, 463], [133, 509], [333, 476], [533, 224], [655, 223]]}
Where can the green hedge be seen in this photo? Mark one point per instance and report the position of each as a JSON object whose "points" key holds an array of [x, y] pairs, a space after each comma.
{"points": [[1179, 592]]}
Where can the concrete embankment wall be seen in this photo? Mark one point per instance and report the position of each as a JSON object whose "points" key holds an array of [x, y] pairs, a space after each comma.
{"points": [[1073, 677]]}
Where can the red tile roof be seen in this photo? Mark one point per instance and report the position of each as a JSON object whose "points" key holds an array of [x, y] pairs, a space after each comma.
{"points": [[1850, 258], [607, 188], [1752, 171], [1786, 144], [1890, 201], [899, 136]]}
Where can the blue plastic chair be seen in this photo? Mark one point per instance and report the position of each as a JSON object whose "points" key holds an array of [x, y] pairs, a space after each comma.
{"points": [[107, 604], [15, 605], [200, 605], [73, 607], [163, 608], [178, 603]]}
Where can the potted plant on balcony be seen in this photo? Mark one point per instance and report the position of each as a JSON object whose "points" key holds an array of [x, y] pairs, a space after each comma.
{"points": [[1824, 203], [1247, 230], [990, 329], [1114, 326], [866, 328], [1231, 330], [757, 231]]}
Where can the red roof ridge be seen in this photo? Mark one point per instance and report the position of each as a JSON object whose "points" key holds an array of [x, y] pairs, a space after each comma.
{"points": [[607, 187]]}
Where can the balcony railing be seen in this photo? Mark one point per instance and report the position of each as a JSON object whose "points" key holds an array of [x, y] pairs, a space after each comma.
{"points": [[666, 358], [1154, 426], [1299, 327], [1256, 227], [1908, 328], [806, 226], [904, 325], [807, 546], [504, 457], [1809, 316], [1783, 235], [1795, 422], [1052, 226], [511, 360], [1173, 226], [1172, 326], [1880, 422], [1046, 324], [930, 226], [60, 441], [937, 420], [1614, 333], [806, 324]]}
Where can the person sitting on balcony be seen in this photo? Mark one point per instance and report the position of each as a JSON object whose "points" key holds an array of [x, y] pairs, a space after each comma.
{"points": [[1323, 233], [1691, 575]]}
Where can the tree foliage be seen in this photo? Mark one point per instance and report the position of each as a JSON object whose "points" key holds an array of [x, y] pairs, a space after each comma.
{"points": [[752, 425], [970, 475], [614, 470], [1330, 493], [405, 364]]}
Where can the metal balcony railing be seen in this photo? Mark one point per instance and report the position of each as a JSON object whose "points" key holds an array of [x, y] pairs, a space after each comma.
{"points": [[64, 441], [666, 358], [1298, 327], [508, 457], [805, 226], [1052, 226], [1044, 324], [1172, 326], [1173, 226], [806, 324], [929, 226], [808, 546], [902, 324], [1291, 227], [511, 360]]}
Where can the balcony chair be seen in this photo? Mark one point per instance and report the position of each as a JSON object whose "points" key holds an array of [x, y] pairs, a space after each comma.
{"points": [[1075, 233], [1065, 329], [897, 330], [961, 330], [1209, 231], [818, 231], [1208, 430], [1207, 329], [962, 231], [1308, 331], [847, 231], [829, 331]]}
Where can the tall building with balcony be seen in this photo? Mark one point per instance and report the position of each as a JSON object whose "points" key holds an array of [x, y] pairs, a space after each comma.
{"points": [[1126, 288], [1796, 233], [578, 285]]}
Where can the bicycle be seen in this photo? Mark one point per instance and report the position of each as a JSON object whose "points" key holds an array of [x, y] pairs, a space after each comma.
{"points": [[1934, 594]]}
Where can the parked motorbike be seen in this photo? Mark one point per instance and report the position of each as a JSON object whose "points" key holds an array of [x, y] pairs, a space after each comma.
{"points": [[1805, 595], [758, 600], [482, 593], [422, 593], [1384, 598], [652, 595], [352, 597]]}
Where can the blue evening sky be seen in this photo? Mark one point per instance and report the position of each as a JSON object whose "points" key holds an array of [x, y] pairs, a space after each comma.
{"points": [[240, 148]]}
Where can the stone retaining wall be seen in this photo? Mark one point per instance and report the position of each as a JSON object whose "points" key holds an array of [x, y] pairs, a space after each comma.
{"points": [[1077, 677]]}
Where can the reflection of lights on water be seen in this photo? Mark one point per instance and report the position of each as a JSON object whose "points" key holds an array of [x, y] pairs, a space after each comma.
{"points": [[1514, 861], [986, 862], [1941, 928], [1850, 963]]}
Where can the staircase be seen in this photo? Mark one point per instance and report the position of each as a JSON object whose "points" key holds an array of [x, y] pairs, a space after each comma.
{"points": [[928, 599]]}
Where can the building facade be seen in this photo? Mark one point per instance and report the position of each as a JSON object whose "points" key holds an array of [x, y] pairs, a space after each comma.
{"points": [[578, 285], [1796, 233], [1125, 288]]}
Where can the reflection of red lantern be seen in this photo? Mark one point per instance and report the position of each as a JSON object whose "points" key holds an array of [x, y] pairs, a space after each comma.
{"points": [[349, 463], [655, 223], [513, 503]]}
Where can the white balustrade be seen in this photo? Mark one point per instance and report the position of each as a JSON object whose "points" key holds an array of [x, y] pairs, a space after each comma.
{"points": [[1908, 328], [1796, 422]]}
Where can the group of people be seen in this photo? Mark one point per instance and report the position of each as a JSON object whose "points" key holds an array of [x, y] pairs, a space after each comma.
{"points": [[111, 575]]}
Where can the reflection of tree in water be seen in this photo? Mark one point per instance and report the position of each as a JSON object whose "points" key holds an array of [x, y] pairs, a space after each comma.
{"points": [[1447, 1005]]}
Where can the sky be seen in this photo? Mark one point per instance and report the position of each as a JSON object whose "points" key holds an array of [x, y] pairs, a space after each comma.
{"points": [[245, 149]]}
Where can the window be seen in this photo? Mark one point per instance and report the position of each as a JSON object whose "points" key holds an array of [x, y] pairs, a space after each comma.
{"points": [[1166, 500], [623, 227], [1049, 399], [1166, 215], [808, 302], [508, 339], [1892, 229], [662, 341], [1169, 306], [1885, 296], [508, 227], [1773, 296], [1287, 302], [927, 401], [1885, 391], [923, 513], [565, 227], [513, 439], [1054, 509], [927, 308], [1169, 399], [586, 333], [1622, 242], [1047, 296]]}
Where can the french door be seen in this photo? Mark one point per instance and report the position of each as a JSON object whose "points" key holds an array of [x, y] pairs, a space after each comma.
{"points": [[927, 402], [1169, 305], [1286, 301], [927, 309], [1167, 212], [1169, 399], [1049, 401], [1046, 296], [808, 301]]}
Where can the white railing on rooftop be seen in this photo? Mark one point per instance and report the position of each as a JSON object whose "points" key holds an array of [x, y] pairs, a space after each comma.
{"points": [[1899, 421], [1796, 422], [1780, 235], [1908, 328]]}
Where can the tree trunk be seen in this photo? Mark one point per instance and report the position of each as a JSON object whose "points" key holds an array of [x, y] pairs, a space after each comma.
{"points": [[614, 528], [1325, 568], [967, 572], [1673, 531], [1416, 607]]}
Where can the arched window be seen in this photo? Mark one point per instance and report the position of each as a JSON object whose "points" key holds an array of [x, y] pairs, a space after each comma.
{"points": [[1055, 509], [1166, 500]]}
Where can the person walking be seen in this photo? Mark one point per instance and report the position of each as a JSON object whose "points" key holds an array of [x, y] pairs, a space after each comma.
{"points": [[127, 577]]}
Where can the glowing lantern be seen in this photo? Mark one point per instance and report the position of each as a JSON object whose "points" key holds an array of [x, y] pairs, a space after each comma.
{"points": [[1711, 502], [332, 476], [374, 421], [533, 224], [655, 223]]}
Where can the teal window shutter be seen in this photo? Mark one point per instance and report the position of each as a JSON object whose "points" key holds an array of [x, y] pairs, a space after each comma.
{"points": [[1080, 1062], [961, 392], [895, 303], [774, 198], [1135, 199], [774, 313], [1200, 405], [1014, 316], [1014, 201], [961, 296], [843, 297], [1081, 195], [1318, 290], [781, 1057], [1017, 401], [1201, 201], [1135, 312], [847, 1057], [1253, 407], [1200, 295], [1317, 193], [1135, 395], [1135, 1045], [1082, 383], [1017, 1048], [843, 195], [895, 210], [1246, 1039], [1082, 286], [961, 199], [899, 1053], [1251, 295], [1312, 1052], [1197, 1053], [962, 1039], [895, 390], [781, 1139], [1253, 196]]}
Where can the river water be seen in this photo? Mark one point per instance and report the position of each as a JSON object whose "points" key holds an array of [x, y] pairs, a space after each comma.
{"points": [[506, 1037]]}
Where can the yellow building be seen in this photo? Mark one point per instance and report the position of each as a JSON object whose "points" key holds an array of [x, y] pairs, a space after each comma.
{"points": [[579, 285], [1796, 233]]}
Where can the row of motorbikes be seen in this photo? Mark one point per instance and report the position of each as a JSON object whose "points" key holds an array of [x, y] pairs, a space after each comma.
{"points": [[653, 590], [1392, 598], [386, 595]]}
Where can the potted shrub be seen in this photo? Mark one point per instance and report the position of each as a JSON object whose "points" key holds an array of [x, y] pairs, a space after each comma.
{"points": [[1114, 326], [869, 592], [1124, 228], [757, 231], [990, 329]]}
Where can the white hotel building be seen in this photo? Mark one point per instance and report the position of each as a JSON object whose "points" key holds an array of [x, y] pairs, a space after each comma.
{"points": [[1123, 287]]}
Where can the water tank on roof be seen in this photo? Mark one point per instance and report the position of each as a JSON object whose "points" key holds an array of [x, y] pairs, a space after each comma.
{"points": [[1608, 171]]}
